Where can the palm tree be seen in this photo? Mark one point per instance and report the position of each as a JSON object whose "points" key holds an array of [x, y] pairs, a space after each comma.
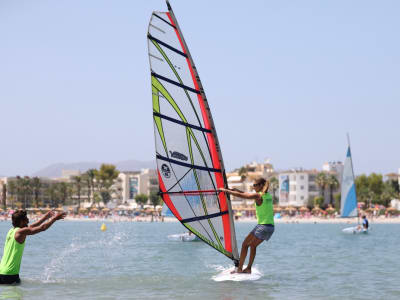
{"points": [[51, 192], [12, 189], [274, 185], [63, 192], [105, 178], [4, 195], [36, 186], [333, 184], [320, 181], [155, 199], [243, 173], [89, 176], [77, 181], [26, 189], [18, 188]]}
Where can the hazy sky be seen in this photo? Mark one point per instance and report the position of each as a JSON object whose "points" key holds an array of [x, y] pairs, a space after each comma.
{"points": [[285, 80]]}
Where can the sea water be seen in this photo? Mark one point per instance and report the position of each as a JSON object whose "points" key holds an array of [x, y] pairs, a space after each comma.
{"points": [[76, 260]]}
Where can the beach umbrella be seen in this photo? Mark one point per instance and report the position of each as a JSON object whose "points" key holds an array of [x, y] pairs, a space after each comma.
{"points": [[290, 209], [391, 210], [316, 209]]}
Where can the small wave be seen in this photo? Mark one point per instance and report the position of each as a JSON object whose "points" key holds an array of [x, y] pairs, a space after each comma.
{"points": [[218, 267]]}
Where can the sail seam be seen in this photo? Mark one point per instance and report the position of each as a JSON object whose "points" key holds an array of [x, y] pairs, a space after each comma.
{"points": [[187, 165], [180, 122], [205, 217], [175, 83], [157, 16], [166, 45]]}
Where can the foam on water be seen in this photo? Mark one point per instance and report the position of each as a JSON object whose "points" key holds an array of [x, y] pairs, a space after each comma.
{"points": [[226, 275]]}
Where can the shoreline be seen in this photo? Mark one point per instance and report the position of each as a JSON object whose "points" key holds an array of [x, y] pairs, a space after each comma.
{"points": [[293, 220]]}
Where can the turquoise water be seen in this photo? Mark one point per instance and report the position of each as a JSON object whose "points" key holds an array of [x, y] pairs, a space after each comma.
{"points": [[137, 261]]}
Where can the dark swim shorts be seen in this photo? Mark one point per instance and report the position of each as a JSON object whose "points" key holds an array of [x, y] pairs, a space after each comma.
{"points": [[263, 231], [9, 279]]}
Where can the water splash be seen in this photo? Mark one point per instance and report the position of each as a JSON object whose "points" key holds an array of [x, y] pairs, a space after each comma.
{"points": [[59, 263]]}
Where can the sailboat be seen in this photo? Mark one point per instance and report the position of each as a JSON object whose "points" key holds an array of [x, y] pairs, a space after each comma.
{"points": [[188, 156], [348, 206]]}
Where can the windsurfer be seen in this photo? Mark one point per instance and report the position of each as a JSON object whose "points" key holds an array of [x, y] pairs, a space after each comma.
{"points": [[265, 221]]}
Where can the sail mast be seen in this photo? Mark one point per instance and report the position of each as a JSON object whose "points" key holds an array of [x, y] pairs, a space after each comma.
{"points": [[212, 128]]}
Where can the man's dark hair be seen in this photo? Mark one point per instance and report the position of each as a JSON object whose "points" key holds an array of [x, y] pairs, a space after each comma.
{"points": [[18, 216]]}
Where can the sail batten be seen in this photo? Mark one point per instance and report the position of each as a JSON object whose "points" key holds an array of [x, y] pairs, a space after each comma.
{"points": [[189, 160], [180, 122]]}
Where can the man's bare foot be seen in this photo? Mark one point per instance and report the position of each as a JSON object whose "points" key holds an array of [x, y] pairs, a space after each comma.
{"points": [[247, 271]]}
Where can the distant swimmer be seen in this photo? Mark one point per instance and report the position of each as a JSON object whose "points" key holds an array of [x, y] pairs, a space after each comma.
{"points": [[365, 222], [15, 242], [265, 219]]}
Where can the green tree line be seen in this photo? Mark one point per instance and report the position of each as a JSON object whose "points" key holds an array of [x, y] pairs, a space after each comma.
{"points": [[371, 190], [92, 186]]}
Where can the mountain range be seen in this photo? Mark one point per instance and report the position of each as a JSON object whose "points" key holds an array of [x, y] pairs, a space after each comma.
{"points": [[55, 170]]}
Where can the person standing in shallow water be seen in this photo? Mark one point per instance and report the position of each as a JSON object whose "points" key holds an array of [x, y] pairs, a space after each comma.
{"points": [[265, 221], [365, 222], [15, 242]]}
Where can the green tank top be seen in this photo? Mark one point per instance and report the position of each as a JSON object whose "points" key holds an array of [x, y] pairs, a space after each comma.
{"points": [[265, 212], [12, 254]]}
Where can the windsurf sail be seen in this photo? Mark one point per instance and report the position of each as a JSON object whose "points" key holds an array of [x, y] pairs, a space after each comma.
{"points": [[348, 206], [189, 160]]}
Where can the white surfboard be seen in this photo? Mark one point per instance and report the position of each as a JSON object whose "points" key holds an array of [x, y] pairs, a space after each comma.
{"points": [[226, 275]]}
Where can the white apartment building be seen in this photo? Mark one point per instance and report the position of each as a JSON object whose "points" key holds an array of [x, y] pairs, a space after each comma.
{"points": [[236, 182], [297, 187], [138, 182], [335, 167]]}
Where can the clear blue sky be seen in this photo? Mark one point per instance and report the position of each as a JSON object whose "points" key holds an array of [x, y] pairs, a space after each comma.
{"points": [[284, 79]]}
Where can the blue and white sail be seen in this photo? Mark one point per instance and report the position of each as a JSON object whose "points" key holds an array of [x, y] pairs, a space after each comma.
{"points": [[348, 206]]}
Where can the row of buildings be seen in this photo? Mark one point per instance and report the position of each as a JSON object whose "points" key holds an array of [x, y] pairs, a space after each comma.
{"points": [[295, 187]]}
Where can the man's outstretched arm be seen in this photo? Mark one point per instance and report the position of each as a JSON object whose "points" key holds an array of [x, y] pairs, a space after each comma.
{"points": [[21, 234], [42, 219]]}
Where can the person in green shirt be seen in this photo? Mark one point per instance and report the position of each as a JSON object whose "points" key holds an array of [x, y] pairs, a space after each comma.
{"points": [[265, 221], [15, 242]]}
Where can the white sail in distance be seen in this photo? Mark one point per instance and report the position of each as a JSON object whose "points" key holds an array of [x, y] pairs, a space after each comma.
{"points": [[348, 203]]}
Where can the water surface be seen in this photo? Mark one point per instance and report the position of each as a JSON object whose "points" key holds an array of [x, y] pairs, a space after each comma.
{"points": [[136, 260]]}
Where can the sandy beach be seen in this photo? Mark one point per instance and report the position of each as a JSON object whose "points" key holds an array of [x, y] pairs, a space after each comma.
{"points": [[287, 220]]}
